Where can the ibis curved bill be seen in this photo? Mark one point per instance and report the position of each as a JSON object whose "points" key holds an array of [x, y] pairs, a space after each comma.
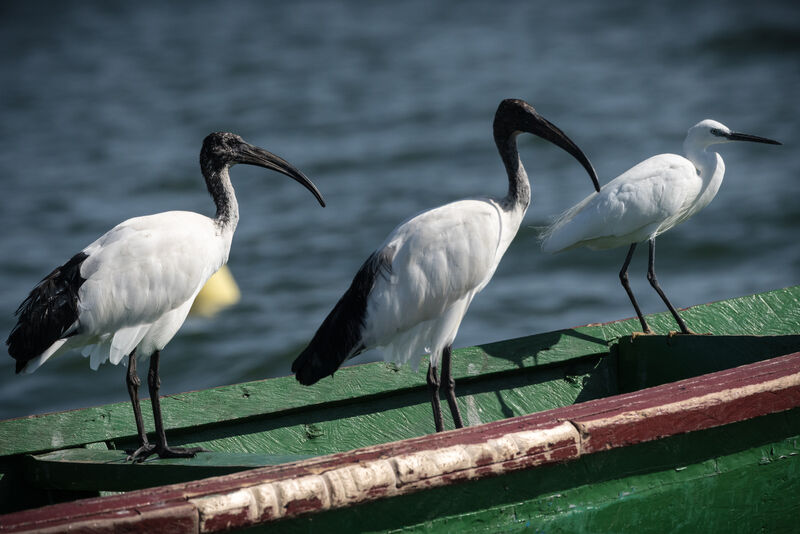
{"points": [[411, 294], [646, 201], [129, 292]]}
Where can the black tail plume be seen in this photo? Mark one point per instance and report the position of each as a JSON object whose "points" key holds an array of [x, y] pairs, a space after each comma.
{"points": [[45, 316], [339, 336]]}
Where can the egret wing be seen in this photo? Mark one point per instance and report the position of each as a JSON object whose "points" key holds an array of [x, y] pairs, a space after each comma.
{"points": [[630, 208]]}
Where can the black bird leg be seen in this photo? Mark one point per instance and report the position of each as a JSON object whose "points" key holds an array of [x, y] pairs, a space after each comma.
{"points": [[623, 277], [450, 384], [651, 277], [133, 383], [433, 388], [160, 447]]}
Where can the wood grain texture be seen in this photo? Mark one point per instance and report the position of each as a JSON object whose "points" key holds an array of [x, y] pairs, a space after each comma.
{"points": [[225, 418], [441, 460]]}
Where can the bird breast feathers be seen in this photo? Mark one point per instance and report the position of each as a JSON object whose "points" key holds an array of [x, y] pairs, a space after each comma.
{"points": [[146, 267], [437, 258]]}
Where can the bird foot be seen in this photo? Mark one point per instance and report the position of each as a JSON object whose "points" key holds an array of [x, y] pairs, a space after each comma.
{"points": [[141, 453], [179, 452], [688, 332], [648, 332], [163, 451]]}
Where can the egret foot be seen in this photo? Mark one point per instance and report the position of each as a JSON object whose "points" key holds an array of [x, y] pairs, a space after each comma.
{"points": [[673, 333], [688, 332], [647, 332]]}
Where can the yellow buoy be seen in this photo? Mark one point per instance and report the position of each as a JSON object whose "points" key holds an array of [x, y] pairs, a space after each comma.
{"points": [[220, 292]]}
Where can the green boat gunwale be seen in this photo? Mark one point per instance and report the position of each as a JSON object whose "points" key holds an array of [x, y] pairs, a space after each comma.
{"points": [[747, 329]]}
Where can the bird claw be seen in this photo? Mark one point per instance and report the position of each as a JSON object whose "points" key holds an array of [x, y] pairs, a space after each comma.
{"points": [[648, 332], [140, 454], [148, 449], [688, 332]]}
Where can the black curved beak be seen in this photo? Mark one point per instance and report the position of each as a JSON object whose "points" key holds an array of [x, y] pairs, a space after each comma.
{"points": [[253, 155], [736, 136], [549, 131]]}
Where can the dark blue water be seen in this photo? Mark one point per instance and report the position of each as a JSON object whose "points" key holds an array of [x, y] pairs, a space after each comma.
{"points": [[388, 108]]}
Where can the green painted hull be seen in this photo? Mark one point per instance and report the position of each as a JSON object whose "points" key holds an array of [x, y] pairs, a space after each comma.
{"points": [[687, 484], [741, 475]]}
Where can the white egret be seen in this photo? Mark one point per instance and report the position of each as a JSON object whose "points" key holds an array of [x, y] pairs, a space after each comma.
{"points": [[646, 201], [411, 294], [129, 292]]}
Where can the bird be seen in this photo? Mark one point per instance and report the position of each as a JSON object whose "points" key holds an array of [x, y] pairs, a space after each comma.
{"points": [[128, 292], [647, 200], [412, 292]]}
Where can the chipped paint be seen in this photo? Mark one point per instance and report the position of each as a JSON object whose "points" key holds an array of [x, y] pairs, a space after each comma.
{"points": [[318, 484], [473, 413]]}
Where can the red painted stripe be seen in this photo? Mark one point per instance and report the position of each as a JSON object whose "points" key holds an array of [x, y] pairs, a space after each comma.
{"points": [[179, 517], [694, 404]]}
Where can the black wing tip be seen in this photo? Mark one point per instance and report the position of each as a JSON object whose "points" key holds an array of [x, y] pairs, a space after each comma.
{"points": [[48, 313], [308, 369], [339, 336]]}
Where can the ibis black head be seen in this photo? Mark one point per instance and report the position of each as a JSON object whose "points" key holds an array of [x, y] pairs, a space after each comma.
{"points": [[223, 149], [515, 116]]}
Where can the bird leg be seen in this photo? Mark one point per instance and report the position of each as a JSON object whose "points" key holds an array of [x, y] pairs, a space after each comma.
{"points": [[133, 383], [450, 385], [433, 388], [160, 447], [651, 277], [623, 277]]}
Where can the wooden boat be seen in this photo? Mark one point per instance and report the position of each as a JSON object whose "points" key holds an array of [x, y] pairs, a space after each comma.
{"points": [[590, 429]]}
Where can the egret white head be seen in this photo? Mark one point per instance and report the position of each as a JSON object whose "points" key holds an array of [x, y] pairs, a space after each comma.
{"points": [[710, 132]]}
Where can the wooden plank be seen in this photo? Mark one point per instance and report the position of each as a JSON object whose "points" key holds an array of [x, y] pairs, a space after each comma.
{"points": [[510, 446], [646, 361], [682, 484], [167, 518], [284, 396], [677, 484], [772, 313], [83, 469]]}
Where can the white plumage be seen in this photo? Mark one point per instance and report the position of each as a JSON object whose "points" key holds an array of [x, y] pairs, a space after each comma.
{"points": [[440, 260], [129, 292], [646, 201], [411, 294], [140, 279]]}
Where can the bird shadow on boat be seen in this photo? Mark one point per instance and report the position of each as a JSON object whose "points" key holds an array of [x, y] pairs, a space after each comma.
{"points": [[548, 348]]}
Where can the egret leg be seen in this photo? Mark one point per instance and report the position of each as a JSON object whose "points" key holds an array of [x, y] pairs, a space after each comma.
{"points": [[133, 383], [623, 277], [651, 277], [161, 448], [450, 384], [433, 388]]}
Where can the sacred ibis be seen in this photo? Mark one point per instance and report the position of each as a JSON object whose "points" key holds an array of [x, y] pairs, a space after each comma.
{"points": [[411, 294], [129, 292], [646, 201]]}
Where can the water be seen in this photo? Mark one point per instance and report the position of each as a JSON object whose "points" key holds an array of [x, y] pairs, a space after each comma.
{"points": [[388, 108]]}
